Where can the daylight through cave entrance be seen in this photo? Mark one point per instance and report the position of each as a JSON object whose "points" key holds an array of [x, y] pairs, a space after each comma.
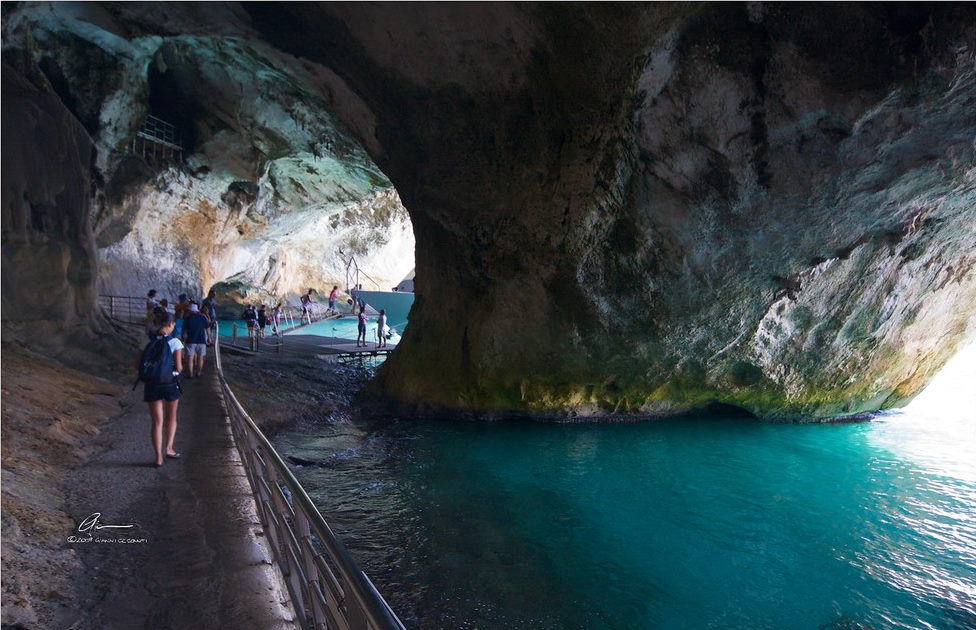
{"points": [[950, 395]]}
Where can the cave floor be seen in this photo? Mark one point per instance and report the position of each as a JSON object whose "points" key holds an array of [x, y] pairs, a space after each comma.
{"points": [[200, 560]]}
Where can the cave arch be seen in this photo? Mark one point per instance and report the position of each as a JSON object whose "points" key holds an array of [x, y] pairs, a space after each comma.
{"points": [[608, 196]]}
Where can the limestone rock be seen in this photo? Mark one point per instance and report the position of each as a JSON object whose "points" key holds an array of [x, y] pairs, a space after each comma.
{"points": [[49, 260], [665, 207], [273, 192], [618, 208]]}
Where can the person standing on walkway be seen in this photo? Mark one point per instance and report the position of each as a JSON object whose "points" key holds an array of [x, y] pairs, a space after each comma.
{"points": [[250, 316], [262, 320], [151, 304], [307, 306], [275, 319], [159, 366], [361, 336], [180, 312], [195, 326], [209, 309], [333, 296], [381, 329]]}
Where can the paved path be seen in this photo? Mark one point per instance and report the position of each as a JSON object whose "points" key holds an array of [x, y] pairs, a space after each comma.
{"points": [[200, 560]]}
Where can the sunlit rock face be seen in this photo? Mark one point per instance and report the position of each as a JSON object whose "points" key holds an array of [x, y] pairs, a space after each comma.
{"points": [[654, 209], [619, 209], [273, 195]]}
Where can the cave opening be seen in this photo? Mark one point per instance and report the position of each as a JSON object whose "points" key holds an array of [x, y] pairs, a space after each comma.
{"points": [[950, 395], [169, 103]]}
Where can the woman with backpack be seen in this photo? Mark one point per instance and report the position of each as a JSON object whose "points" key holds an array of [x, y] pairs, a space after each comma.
{"points": [[159, 366]]}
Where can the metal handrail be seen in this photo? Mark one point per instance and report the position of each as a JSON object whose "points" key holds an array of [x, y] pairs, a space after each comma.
{"points": [[352, 268], [126, 308], [327, 587]]}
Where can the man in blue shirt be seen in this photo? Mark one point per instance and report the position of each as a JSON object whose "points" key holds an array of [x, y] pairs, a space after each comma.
{"points": [[195, 327]]}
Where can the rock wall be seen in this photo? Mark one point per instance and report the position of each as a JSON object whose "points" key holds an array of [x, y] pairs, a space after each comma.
{"points": [[272, 196], [49, 261], [665, 207]]}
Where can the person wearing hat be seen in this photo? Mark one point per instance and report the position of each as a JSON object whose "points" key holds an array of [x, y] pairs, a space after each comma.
{"points": [[195, 326]]}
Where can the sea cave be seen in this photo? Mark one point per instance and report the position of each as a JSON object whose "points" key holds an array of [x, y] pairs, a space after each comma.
{"points": [[617, 214]]}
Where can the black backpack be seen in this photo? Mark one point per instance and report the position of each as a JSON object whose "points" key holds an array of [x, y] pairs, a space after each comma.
{"points": [[156, 364]]}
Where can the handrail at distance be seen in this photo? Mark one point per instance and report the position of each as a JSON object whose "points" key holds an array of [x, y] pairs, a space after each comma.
{"points": [[309, 580]]}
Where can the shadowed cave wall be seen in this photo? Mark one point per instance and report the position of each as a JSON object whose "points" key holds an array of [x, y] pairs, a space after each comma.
{"points": [[659, 207]]}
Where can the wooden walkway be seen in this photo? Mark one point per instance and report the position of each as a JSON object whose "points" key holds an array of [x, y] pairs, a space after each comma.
{"points": [[341, 349], [330, 348]]}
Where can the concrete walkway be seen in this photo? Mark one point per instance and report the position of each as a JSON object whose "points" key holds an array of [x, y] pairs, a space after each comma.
{"points": [[196, 556]]}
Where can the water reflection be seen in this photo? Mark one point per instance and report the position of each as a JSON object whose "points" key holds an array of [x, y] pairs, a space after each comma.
{"points": [[722, 524], [938, 429]]}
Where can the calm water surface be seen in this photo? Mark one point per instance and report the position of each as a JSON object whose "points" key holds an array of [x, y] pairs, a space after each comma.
{"points": [[708, 523]]}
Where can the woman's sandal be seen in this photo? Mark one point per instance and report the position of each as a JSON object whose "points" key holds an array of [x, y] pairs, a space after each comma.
{"points": [[172, 456]]}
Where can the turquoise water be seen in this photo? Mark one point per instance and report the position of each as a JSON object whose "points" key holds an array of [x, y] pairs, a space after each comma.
{"points": [[704, 523], [343, 328]]}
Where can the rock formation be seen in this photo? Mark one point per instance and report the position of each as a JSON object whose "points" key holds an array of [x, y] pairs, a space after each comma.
{"points": [[666, 207], [49, 260], [271, 196], [618, 208]]}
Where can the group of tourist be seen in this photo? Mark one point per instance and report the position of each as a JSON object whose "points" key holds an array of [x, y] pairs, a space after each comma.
{"points": [[382, 330], [257, 320], [190, 328], [186, 332]]}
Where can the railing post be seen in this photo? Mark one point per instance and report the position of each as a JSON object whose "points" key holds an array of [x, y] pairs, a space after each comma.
{"points": [[233, 335]]}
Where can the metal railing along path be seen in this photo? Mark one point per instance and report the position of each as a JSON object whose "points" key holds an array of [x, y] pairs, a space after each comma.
{"points": [[126, 308], [328, 589]]}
